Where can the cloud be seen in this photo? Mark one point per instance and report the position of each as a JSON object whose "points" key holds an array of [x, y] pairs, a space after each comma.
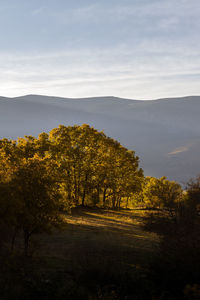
{"points": [[179, 150], [140, 9], [136, 49], [115, 71]]}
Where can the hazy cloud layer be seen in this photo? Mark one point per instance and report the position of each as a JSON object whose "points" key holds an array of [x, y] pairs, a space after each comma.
{"points": [[135, 49]]}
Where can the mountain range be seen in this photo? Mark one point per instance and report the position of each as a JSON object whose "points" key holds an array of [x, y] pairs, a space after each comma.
{"points": [[164, 133]]}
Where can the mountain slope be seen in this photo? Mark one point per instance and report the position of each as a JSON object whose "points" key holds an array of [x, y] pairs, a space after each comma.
{"points": [[164, 133]]}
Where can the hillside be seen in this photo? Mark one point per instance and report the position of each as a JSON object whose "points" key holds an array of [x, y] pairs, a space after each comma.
{"points": [[165, 133], [98, 254]]}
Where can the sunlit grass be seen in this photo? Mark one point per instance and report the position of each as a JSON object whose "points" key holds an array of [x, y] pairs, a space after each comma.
{"points": [[96, 248], [100, 232]]}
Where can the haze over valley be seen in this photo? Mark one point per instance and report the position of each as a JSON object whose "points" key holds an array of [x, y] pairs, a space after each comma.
{"points": [[164, 133]]}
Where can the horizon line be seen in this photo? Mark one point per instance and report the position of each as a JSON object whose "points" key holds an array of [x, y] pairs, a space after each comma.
{"points": [[108, 96]]}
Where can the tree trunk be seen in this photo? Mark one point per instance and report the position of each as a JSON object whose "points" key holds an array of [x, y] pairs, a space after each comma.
{"points": [[104, 197], [119, 202], [83, 198], [98, 196], [69, 187], [84, 190], [113, 201], [127, 198], [78, 189]]}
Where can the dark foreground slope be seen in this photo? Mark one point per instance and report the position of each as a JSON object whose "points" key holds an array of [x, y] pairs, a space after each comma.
{"points": [[164, 133], [99, 254]]}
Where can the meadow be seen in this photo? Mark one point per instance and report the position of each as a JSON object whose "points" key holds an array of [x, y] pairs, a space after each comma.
{"points": [[98, 254], [90, 233]]}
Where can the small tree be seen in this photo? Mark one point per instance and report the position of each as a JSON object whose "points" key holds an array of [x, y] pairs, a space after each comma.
{"points": [[193, 194], [179, 251], [161, 193], [37, 195]]}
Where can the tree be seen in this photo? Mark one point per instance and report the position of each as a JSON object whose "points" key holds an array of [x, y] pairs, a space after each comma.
{"points": [[37, 195], [161, 193], [179, 249], [193, 194], [93, 164], [30, 192]]}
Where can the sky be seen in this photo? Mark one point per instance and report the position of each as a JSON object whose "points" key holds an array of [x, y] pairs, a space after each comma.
{"points": [[136, 49]]}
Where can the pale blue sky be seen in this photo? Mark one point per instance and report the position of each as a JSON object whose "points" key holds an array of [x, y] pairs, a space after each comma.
{"points": [[139, 49]]}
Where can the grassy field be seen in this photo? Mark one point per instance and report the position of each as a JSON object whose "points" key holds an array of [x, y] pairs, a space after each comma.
{"points": [[89, 232], [99, 254]]}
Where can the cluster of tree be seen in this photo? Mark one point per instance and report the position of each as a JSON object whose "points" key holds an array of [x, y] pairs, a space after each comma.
{"points": [[175, 218], [159, 193], [179, 251], [95, 168], [40, 177]]}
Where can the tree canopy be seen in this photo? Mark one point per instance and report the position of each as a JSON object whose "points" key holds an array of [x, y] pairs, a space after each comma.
{"points": [[70, 166]]}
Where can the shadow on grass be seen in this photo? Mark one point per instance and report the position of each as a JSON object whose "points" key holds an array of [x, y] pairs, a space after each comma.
{"points": [[108, 218], [85, 261]]}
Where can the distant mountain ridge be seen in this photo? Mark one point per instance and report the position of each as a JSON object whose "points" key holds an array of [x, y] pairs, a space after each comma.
{"points": [[165, 133]]}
